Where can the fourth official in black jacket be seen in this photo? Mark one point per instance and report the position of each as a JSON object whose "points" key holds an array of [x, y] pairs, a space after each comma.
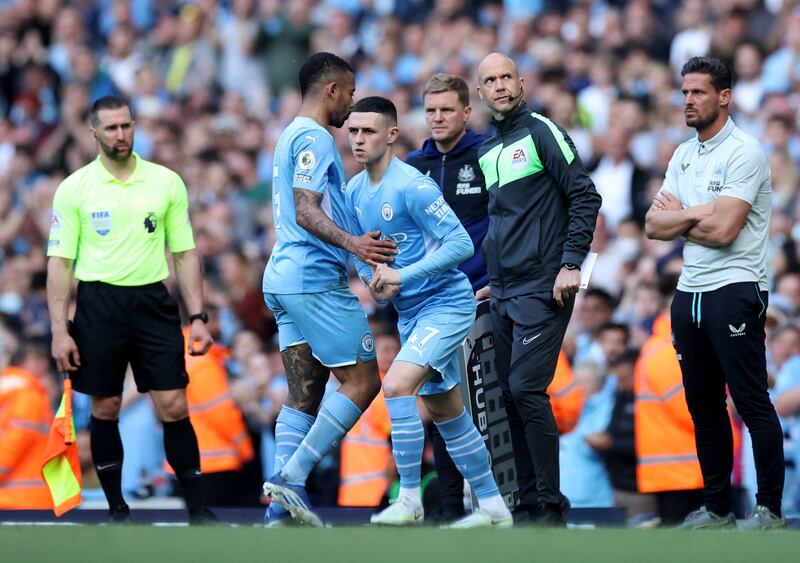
{"points": [[542, 212], [542, 205]]}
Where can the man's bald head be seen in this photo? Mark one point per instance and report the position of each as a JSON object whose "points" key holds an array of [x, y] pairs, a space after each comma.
{"points": [[499, 84], [493, 59]]}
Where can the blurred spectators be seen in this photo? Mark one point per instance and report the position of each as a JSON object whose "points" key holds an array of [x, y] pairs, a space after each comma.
{"points": [[584, 478], [617, 442], [786, 394], [666, 455]]}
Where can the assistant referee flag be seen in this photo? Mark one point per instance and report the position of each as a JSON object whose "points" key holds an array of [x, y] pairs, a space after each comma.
{"points": [[61, 468]]}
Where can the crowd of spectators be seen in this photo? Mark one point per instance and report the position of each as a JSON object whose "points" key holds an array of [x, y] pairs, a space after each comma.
{"points": [[213, 83]]}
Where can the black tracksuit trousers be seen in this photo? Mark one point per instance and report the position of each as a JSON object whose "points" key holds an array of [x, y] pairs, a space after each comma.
{"points": [[528, 334], [719, 338]]}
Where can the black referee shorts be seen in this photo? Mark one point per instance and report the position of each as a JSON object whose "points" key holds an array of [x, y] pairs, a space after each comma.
{"points": [[115, 326]]}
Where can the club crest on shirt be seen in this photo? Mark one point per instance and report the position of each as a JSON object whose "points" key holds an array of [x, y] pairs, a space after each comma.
{"points": [[307, 160], [466, 173], [387, 212], [101, 221], [518, 158], [151, 222], [367, 343]]}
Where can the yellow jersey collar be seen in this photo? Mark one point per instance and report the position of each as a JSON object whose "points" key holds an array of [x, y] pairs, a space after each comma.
{"points": [[107, 177]]}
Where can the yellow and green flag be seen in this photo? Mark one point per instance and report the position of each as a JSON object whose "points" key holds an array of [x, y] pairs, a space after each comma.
{"points": [[61, 468]]}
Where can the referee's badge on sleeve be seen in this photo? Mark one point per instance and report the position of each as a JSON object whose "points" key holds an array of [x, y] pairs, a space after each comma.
{"points": [[56, 220], [101, 221]]}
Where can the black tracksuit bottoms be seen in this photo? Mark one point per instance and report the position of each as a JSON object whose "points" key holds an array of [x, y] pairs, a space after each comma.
{"points": [[719, 338], [528, 334]]}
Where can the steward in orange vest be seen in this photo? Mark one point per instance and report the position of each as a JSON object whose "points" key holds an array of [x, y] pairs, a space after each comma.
{"points": [[25, 417], [222, 435], [365, 455], [566, 397], [665, 447]]}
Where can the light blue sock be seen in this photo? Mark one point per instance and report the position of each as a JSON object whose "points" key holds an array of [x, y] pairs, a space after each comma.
{"points": [[469, 453], [337, 416], [291, 427], [408, 439]]}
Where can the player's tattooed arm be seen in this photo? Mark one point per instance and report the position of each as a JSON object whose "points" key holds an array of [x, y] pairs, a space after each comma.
{"points": [[308, 206], [306, 378], [368, 248]]}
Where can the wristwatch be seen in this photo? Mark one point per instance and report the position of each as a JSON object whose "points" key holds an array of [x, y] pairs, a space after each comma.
{"points": [[570, 266], [201, 316]]}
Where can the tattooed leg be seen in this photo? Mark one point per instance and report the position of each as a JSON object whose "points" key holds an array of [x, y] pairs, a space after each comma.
{"points": [[306, 378]]}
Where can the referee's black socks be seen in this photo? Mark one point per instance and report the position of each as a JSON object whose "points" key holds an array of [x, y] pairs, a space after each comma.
{"points": [[183, 454], [107, 455]]}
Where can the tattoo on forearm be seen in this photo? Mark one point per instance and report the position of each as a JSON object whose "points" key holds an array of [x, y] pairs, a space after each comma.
{"points": [[306, 378], [314, 220]]}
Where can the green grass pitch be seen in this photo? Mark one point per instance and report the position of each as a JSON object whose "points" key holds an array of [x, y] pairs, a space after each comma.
{"points": [[148, 544]]}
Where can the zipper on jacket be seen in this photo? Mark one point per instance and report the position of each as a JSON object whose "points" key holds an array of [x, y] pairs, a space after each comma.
{"points": [[441, 174], [497, 169]]}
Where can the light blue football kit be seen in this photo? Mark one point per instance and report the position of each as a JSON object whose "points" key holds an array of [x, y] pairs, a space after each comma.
{"points": [[305, 285], [305, 281], [435, 304], [436, 309]]}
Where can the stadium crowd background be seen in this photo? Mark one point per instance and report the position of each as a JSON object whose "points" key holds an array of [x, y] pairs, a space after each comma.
{"points": [[213, 83]]}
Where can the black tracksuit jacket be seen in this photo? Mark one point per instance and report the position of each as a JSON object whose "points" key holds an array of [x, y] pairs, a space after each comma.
{"points": [[542, 203]]}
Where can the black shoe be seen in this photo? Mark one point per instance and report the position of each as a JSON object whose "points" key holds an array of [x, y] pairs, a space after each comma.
{"points": [[445, 514], [549, 516], [565, 506], [120, 514], [522, 513], [202, 516]]}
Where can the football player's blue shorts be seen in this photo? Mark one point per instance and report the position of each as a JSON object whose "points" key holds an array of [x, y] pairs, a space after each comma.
{"points": [[434, 338], [331, 322]]}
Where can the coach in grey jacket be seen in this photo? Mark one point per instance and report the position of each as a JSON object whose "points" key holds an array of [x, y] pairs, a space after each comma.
{"points": [[542, 212]]}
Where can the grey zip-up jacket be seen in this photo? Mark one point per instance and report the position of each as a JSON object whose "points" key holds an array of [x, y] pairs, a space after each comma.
{"points": [[542, 203]]}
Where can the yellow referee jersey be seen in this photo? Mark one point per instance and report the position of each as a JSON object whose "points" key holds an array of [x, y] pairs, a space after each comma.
{"points": [[116, 231]]}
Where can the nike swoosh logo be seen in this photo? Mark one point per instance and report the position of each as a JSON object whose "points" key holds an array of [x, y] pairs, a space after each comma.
{"points": [[104, 467], [685, 166], [526, 341]]}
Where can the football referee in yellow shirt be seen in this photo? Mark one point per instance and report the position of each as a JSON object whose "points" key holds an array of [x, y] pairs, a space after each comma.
{"points": [[110, 222]]}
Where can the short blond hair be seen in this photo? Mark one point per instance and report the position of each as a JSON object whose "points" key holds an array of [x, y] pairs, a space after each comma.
{"points": [[441, 82]]}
